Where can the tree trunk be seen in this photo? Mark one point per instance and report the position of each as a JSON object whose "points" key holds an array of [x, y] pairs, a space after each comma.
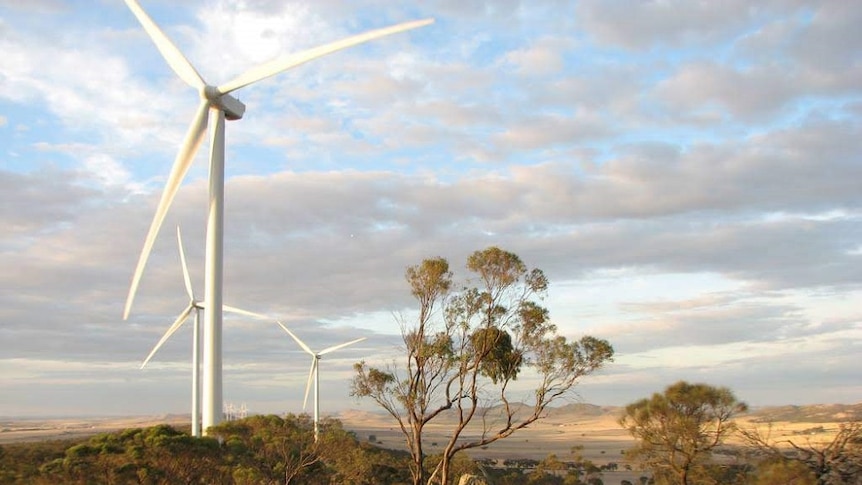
{"points": [[418, 457], [444, 470]]}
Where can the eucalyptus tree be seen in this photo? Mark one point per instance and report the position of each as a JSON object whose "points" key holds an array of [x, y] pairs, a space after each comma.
{"points": [[678, 429], [465, 350]]}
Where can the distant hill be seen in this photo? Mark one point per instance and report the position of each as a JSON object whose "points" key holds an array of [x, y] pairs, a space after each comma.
{"points": [[582, 410], [816, 413], [560, 414]]}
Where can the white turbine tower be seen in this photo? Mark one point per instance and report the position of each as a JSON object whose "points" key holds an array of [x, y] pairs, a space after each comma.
{"points": [[196, 306], [215, 106], [314, 373]]}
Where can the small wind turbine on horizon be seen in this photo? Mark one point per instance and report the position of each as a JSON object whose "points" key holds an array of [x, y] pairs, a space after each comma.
{"points": [[196, 306], [216, 105], [314, 373]]}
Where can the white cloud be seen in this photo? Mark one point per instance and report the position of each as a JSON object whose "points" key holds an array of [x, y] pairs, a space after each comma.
{"points": [[544, 58], [642, 25], [106, 169], [743, 93]]}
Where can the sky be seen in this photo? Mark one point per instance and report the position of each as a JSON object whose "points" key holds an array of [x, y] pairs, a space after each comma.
{"points": [[687, 174]]}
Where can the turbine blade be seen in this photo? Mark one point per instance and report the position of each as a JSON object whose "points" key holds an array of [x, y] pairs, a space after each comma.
{"points": [[173, 328], [300, 342], [186, 276], [336, 347], [190, 146], [276, 66], [170, 52], [247, 313], [310, 378]]}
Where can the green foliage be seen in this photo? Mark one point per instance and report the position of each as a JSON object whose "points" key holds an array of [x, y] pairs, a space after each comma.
{"points": [[677, 430], [502, 361], [783, 472], [20, 462], [429, 280], [549, 471], [268, 448], [260, 449], [461, 464], [497, 268], [131, 456]]}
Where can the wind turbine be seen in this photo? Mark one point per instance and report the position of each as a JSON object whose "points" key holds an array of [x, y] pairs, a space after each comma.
{"points": [[314, 374], [215, 106], [196, 306]]}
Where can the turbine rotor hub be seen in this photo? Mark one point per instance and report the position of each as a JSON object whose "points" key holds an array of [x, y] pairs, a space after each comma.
{"points": [[232, 107]]}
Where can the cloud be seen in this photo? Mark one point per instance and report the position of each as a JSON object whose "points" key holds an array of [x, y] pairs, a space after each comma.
{"points": [[552, 130], [34, 202], [831, 39], [685, 173], [543, 58], [742, 93], [38, 6], [643, 25]]}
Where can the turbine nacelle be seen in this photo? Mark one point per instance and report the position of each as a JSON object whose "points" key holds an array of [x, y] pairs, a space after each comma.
{"points": [[314, 372], [219, 98], [232, 107]]}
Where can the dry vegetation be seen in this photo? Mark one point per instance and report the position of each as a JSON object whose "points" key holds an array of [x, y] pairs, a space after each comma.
{"points": [[816, 424], [592, 427]]}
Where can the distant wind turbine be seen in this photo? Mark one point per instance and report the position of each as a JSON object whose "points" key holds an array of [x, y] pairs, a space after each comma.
{"points": [[215, 106], [196, 306], [314, 374]]}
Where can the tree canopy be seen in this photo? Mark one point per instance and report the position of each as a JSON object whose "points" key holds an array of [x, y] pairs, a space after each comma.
{"points": [[677, 430]]}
